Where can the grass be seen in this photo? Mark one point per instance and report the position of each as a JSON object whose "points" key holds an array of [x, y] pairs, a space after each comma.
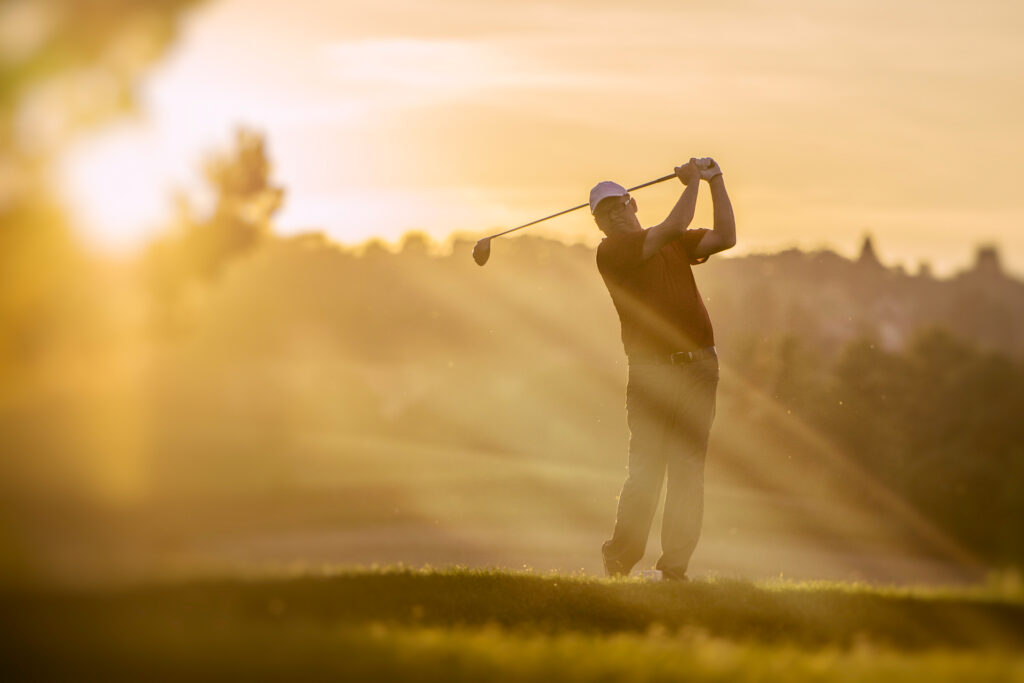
{"points": [[462, 625]]}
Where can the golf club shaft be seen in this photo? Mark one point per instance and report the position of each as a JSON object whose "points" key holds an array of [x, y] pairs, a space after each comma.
{"points": [[539, 220]]}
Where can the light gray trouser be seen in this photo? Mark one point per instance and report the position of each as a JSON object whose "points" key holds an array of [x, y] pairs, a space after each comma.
{"points": [[669, 412]]}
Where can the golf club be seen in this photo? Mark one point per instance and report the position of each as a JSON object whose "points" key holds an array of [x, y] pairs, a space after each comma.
{"points": [[482, 250]]}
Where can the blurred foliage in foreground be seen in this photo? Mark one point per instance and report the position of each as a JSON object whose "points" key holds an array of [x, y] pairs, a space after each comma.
{"points": [[460, 625]]}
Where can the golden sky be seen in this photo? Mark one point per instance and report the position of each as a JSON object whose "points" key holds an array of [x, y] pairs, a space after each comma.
{"points": [[830, 119]]}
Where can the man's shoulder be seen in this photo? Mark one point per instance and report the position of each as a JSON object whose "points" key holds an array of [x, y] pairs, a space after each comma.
{"points": [[622, 241], [618, 249]]}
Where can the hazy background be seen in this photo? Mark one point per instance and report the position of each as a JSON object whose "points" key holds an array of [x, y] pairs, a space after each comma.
{"points": [[832, 118], [222, 348]]}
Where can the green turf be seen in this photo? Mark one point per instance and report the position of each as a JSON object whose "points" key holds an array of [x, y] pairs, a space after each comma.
{"points": [[479, 625]]}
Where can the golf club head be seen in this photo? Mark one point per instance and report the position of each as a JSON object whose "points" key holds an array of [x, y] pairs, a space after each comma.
{"points": [[482, 251]]}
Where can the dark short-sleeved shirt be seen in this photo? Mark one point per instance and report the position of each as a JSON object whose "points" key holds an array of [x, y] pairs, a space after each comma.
{"points": [[659, 307]]}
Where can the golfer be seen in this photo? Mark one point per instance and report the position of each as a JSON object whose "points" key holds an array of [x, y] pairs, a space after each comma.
{"points": [[673, 366]]}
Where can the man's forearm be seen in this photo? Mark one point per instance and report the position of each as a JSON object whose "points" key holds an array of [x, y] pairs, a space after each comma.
{"points": [[681, 215], [676, 223], [725, 221]]}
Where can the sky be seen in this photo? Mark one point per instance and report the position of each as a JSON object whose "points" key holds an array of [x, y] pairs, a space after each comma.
{"points": [[830, 120]]}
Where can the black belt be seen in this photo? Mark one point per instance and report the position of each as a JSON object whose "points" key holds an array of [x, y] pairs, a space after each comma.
{"points": [[677, 358]]}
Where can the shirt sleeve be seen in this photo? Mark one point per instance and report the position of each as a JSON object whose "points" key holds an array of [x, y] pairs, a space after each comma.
{"points": [[620, 252], [689, 242]]}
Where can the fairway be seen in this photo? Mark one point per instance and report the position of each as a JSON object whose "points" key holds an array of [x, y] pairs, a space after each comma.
{"points": [[399, 624]]}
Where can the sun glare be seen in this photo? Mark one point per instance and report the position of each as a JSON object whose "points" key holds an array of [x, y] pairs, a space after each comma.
{"points": [[119, 186]]}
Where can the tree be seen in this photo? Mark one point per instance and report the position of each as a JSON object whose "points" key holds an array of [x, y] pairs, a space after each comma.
{"points": [[197, 251]]}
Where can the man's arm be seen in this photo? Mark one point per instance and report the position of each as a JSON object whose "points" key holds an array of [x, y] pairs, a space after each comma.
{"points": [[723, 236], [682, 213]]}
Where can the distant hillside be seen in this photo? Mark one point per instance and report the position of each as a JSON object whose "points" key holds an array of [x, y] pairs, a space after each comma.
{"points": [[823, 298], [832, 385], [827, 300]]}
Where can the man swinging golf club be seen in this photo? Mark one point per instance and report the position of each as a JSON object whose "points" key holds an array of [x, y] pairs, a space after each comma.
{"points": [[673, 366]]}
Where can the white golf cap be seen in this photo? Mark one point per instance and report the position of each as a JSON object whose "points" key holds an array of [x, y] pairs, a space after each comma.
{"points": [[603, 190]]}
